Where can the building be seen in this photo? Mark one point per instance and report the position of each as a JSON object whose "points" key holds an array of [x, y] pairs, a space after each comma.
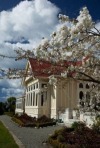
{"points": [[20, 105], [48, 93]]}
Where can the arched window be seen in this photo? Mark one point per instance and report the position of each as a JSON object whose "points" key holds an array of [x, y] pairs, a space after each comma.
{"points": [[81, 95], [87, 86], [80, 85]]}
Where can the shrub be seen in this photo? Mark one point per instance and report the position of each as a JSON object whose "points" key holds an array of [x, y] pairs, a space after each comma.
{"points": [[45, 124], [25, 117], [30, 125], [33, 122], [53, 142], [96, 125], [78, 136], [78, 125], [44, 119], [60, 138]]}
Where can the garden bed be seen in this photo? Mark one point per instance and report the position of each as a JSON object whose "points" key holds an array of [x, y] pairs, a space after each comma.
{"points": [[78, 136], [27, 121]]}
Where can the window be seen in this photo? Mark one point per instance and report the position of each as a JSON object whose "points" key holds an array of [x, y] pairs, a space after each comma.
{"points": [[33, 98], [81, 95], [42, 99], [80, 85], [87, 86], [36, 99], [29, 88], [19, 105], [28, 99], [36, 85], [33, 86]]}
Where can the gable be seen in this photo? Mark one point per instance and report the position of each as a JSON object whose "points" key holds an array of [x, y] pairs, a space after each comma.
{"points": [[28, 73]]}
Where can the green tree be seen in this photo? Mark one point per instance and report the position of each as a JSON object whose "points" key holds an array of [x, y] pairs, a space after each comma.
{"points": [[11, 101], [1, 108]]}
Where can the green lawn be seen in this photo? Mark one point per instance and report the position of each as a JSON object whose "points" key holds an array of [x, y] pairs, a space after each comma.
{"points": [[6, 139]]}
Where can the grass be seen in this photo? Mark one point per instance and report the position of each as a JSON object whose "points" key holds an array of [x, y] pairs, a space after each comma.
{"points": [[6, 139]]}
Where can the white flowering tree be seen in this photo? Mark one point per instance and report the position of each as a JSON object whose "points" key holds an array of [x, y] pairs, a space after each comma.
{"points": [[76, 41]]}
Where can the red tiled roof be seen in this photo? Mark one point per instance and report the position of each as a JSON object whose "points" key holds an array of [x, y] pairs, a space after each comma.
{"points": [[45, 68]]}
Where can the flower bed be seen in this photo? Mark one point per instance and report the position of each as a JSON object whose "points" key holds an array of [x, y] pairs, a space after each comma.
{"points": [[77, 136], [25, 120]]}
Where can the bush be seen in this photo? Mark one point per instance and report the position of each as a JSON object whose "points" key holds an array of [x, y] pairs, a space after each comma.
{"points": [[78, 125], [33, 122], [45, 124], [96, 125], [77, 136], [44, 119], [60, 138], [53, 142], [30, 125], [25, 117]]}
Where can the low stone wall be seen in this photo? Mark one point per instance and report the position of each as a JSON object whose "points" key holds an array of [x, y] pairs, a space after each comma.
{"points": [[88, 118]]}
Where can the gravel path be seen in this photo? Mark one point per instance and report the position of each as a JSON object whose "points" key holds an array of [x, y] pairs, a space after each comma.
{"points": [[30, 137]]}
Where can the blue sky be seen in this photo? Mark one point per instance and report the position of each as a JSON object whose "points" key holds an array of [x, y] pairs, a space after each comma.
{"points": [[69, 7], [25, 23]]}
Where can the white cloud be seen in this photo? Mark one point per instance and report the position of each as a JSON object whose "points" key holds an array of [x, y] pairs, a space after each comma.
{"points": [[98, 25], [10, 88], [29, 21]]}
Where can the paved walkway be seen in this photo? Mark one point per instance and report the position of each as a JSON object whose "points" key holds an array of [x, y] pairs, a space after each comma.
{"points": [[30, 137]]}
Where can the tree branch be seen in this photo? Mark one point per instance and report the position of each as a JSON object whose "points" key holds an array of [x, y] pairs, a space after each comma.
{"points": [[91, 79]]}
